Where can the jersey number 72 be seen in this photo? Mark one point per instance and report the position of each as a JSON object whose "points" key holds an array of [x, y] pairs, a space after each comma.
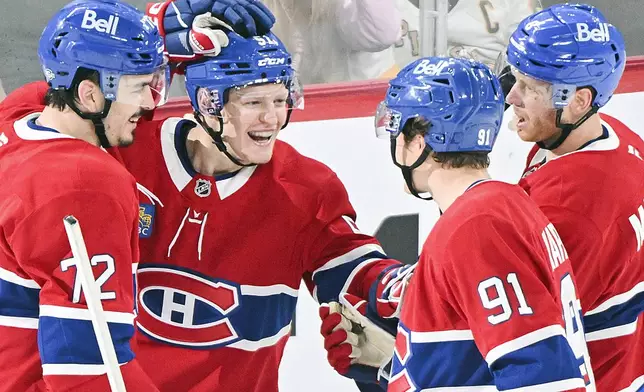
{"points": [[100, 281]]}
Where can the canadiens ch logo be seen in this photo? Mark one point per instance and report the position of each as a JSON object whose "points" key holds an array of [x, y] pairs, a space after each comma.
{"points": [[184, 308], [203, 187]]}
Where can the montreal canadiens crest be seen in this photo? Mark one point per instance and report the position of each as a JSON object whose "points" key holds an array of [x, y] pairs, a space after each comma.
{"points": [[203, 187], [184, 308]]}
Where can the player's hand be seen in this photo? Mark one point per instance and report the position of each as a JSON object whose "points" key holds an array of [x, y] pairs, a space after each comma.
{"points": [[391, 289], [196, 28], [247, 17], [357, 348]]}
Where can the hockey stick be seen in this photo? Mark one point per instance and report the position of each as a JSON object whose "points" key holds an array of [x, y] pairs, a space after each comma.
{"points": [[94, 305]]}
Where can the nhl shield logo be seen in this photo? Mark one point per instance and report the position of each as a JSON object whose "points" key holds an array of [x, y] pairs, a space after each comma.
{"points": [[203, 187]]}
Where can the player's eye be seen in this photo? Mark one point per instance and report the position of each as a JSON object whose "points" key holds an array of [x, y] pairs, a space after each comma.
{"points": [[140, 87]]}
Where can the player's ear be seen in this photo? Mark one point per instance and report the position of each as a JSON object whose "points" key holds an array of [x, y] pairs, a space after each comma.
{"points": [[226, 114], [582, 101], [417, 144], [90, 97]]}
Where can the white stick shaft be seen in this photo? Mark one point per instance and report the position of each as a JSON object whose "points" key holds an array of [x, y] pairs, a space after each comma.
{"points": [[94, 305]]}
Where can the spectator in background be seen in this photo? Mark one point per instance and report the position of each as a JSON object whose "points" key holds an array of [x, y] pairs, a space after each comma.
{"points": [[477, 29], [338, 40]]}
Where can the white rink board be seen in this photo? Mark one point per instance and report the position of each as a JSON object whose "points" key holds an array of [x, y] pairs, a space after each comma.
{"points": [[375, 187]]}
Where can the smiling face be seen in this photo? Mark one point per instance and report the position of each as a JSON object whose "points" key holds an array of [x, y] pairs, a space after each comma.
{"points": [[253, 116], [134, 98], [531, 101]]}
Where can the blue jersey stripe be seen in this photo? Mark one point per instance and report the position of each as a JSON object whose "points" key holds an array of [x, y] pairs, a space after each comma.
{"points": [[445, 364], [330, 282], [17, 300], [546, 361], [263, 316], [451, 364], [615, 316], [70, 341]]}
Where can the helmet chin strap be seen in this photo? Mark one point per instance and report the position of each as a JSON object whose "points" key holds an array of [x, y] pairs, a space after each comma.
{"points": [[217, 139], [566, 128], [407, 170], [97, 120]]}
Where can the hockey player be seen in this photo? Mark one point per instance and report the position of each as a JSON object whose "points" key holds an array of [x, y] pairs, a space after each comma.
{"points": [[586, 174], [237, 219], [231, 220], [104, 61], [492, 302], [51, 166]]}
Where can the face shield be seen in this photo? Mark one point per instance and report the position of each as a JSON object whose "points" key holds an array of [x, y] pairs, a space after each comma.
{"points": [[146, 90], [247, 103], [253, 97], [555, 96], [387, 122]]}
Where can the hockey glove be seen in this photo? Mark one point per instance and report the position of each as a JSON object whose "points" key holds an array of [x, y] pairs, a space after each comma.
{"points": [[387, 293], [196, 28], [357, 347]]}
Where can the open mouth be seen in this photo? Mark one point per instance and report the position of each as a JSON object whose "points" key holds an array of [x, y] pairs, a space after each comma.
{"points": [[519, 120], [261, 137]]}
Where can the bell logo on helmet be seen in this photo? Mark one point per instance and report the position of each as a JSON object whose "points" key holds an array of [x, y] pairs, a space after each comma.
{"points": [[425, 67], [101, 25], [585, 34], [271, 61]]}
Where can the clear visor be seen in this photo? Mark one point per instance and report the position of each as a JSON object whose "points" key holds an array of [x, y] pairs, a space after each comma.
{"points": [[387, 122], [146, 91], [501, 65], [555, 96], [259, 97]]}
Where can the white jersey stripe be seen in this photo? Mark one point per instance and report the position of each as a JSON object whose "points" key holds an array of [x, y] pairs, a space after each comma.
{"points": [[12, 277], [441, 336], [265, 291], [83, 314], [19, 322], [73, 369], [617, 300], [613, 332], [523, 341], [349, 257]]}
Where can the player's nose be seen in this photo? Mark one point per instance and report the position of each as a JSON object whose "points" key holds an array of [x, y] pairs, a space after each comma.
{"points": [[148, 101], [269, 116], [513, 97]]}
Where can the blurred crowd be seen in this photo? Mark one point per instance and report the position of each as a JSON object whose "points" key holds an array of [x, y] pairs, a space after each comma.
{"points": [[333, 40]]}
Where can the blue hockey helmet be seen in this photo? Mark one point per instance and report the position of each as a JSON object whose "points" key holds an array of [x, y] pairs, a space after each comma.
{"points": [[569, 46], [244, 62], [108, 36], [461, 98]]}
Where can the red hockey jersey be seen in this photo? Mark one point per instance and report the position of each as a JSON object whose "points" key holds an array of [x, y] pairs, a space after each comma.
{"points": [[484, 308], [222, 259], [48, 342], [595, 199]]}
